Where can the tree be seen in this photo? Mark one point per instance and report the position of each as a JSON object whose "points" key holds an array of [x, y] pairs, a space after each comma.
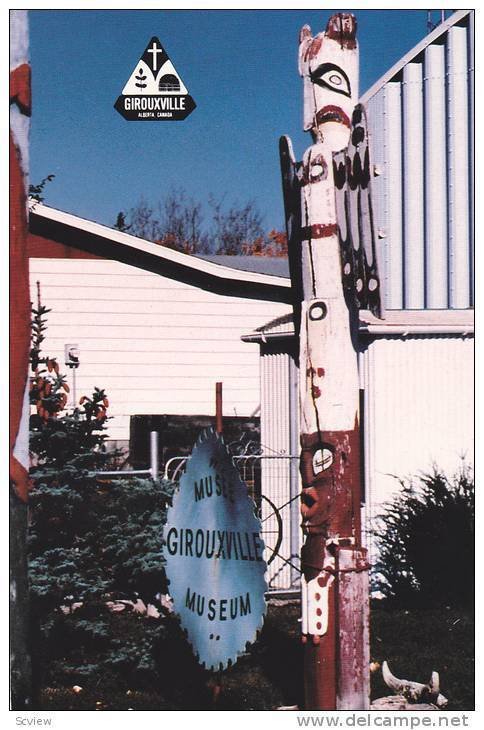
{"points": [[36, 192], [274, 244], [177, 221], [182, 224], [121, 224], [235, 229]]}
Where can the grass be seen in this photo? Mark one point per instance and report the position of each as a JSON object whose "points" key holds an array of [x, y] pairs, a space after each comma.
{"points": [[270, 674]]}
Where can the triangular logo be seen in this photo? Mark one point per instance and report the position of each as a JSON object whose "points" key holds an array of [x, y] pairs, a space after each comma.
{"points": [[155, 90]]}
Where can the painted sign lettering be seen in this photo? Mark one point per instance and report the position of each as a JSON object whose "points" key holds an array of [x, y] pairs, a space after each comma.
{"points": [[214, 555]]}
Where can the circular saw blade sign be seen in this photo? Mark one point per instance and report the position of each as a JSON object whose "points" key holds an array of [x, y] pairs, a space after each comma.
{"points": [[214, 556]]}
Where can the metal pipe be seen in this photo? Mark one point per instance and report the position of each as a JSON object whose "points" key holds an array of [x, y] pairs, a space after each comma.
{"points": [[154, 454], [471, 82], [458, 168], [74, 388], [435, 179], [393, 244], [120, 474], [414, 329], [413, 187]]}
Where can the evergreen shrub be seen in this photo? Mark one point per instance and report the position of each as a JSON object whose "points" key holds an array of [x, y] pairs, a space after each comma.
{"points": [[425, 542], [93, 539]]}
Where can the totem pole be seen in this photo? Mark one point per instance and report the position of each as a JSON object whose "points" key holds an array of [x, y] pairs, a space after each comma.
{"points": [[19, 358], [333, 271]]}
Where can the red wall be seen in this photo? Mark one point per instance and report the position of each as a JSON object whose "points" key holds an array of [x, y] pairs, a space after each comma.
{"points": [[44, 248]]}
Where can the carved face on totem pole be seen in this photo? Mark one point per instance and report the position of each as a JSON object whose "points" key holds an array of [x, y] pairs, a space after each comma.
{"points": [[328, 63]]}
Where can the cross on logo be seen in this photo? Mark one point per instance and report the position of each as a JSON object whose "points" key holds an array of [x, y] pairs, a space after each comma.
{"points": [[154, 50]]}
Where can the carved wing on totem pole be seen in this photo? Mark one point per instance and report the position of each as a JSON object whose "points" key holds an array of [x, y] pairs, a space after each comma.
{"points": [[354, 214], [291, 191]]}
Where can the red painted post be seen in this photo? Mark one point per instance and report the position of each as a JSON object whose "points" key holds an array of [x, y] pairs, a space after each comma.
{"points": [[218, 408]]}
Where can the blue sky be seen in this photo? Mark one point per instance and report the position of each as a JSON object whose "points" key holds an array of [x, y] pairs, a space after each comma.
{"points": [[239, 66]]}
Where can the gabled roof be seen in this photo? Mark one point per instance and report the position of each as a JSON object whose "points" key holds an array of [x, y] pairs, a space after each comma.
{"points": [[111, 243], [432, 37]]}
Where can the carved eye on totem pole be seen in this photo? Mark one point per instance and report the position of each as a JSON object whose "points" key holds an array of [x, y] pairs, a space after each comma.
{"points": [[329, 76], [328, 63]]}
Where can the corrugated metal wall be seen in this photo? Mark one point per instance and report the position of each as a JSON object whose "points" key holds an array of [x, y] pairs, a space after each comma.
{"points": [[280, 477], [421, 122], [418, 412], [419, 400]]}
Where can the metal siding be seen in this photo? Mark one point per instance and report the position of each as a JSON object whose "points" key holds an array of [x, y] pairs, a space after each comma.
{"points": [[379, 190], [458, 166], [276, 440], [413, 186], [439, 272], [435, 179], [420, 409], [292, 513], [471, 81], [392, 224]]}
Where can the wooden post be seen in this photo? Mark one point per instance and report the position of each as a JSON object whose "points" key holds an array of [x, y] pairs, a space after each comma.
{"points": [[334, 564], [218, 408], [20, 662]]}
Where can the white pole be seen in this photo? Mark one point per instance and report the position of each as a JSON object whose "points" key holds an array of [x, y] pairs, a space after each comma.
{"points": [[74, 395], [154, 461]]}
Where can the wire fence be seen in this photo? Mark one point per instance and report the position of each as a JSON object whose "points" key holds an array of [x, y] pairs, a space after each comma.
{"points": [[273, 484]]}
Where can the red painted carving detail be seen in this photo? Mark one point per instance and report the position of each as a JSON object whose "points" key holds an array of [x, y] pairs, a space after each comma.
{"points": [[318, 230], [332, 113], [330, 498], [314, 47], [20, 89], [19, 279], [19, 314], [341, 27]]}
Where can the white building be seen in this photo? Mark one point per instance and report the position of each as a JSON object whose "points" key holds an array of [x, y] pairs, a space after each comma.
{"points": [[155, 328]]}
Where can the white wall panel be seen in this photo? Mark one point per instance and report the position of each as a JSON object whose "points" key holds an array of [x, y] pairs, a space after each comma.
{"points": [[155, 345], [421, 397]]}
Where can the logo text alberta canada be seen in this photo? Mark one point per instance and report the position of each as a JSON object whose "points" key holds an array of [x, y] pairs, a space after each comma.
{"points": [[155, 90]]}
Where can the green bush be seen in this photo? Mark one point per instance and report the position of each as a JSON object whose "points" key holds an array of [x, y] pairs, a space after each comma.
{"points": [[425, 542], [92, 539]]}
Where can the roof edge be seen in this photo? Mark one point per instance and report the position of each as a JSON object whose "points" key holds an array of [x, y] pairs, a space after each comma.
{"points": [[397, 322], [159, 252], [430, 38]]}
